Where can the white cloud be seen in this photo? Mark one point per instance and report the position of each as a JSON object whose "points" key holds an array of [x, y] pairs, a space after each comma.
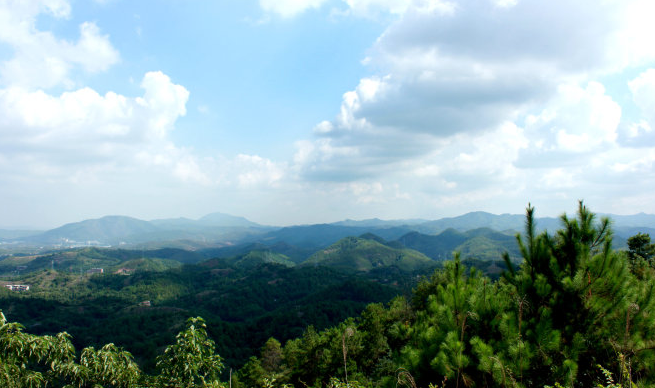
{"points": [[635, 130], [361, 8], [630, 44], [493, 102], [165, 98], [81, 136], [188, 170], [478, 98], [580, 119], [289, 8], [467, 103], [82, 127], [254, 171], [42, 60], [473, 71], [505, 3], [640, 166], [558, 179], [324, 127], [366, 193], [643, 93], [465, 161], [370, 8], [366, 7]]}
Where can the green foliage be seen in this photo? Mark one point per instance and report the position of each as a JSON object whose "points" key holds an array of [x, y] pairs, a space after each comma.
{"points": [[641, 255], [640, 246], [255, 258], [109, 367], [360, 254], [28, 360], [336, 383], [354, 351], [573, 303], [78, 260], [191, 361], [243, 306], [574, 297]]}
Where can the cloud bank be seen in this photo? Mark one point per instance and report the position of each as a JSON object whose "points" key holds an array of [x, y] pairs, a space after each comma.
{"points": [[466, 105], [497, 102]]}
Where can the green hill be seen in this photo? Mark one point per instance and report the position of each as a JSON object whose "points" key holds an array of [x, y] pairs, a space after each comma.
{"points": [[293, 253], [146, 264], [82, 259], [481, 243], [105, 230], [438, 247], [322, 235], [258, 257], [360, 254], [487, 244], [243, 306]]}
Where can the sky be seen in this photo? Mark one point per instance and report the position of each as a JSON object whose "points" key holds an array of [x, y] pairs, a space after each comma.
{"points": [[306, 111]]}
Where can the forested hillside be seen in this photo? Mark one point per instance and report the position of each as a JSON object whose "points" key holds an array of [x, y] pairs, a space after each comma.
{"points": [[364, 254], [227, 236], [574, 312], [481, 244], [244, 300]]}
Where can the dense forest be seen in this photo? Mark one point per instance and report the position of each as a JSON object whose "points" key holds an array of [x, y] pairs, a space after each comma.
{"points": [[575, 312], [242, 306]]}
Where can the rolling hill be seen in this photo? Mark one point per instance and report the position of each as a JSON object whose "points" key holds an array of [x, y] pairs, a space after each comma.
{"points": [[83, 259], [255, 258], [105, 230], [322, 235], [481, 243], [360, 254], [235, 234]]}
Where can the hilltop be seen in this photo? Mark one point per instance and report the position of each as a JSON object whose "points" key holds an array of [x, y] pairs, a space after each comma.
{"points": [[365, 254]]}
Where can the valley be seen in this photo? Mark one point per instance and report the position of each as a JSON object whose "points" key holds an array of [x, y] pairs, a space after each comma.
{"points": [[267, 283]]}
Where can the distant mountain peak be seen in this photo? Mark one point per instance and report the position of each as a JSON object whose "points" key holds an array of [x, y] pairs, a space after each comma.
{"points": [[107, 229], [222, 219]]}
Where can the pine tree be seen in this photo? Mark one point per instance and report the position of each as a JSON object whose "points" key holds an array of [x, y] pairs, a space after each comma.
{"points": [[439, 339], [577, 306]]}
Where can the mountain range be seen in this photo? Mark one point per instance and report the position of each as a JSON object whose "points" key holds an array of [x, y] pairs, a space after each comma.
{"points": [[222, 231]]}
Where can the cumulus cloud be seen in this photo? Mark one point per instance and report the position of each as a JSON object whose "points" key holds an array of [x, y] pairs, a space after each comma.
{"points": [[41, 60], [643, 93], [253, 171], [576, 119], [466, 102], [370, 8], [289, 8], [82, 126], [362, 8], [474, 99], [81, 132], [630, 44], [81, 146], [443, 74]]}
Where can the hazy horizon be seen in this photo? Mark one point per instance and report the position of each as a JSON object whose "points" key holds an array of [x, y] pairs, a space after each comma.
{"points": [[311, 111], [43, 228]]}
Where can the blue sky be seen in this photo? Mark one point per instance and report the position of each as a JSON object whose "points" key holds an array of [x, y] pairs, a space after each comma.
{"points": [[303, 111]]}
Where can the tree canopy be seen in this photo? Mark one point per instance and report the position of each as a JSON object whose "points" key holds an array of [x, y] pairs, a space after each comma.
{"points": [[28, 360], [573, 313]]}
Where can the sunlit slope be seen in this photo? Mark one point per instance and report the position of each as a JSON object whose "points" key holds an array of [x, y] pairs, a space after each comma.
{"points": [[360, 254]]}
